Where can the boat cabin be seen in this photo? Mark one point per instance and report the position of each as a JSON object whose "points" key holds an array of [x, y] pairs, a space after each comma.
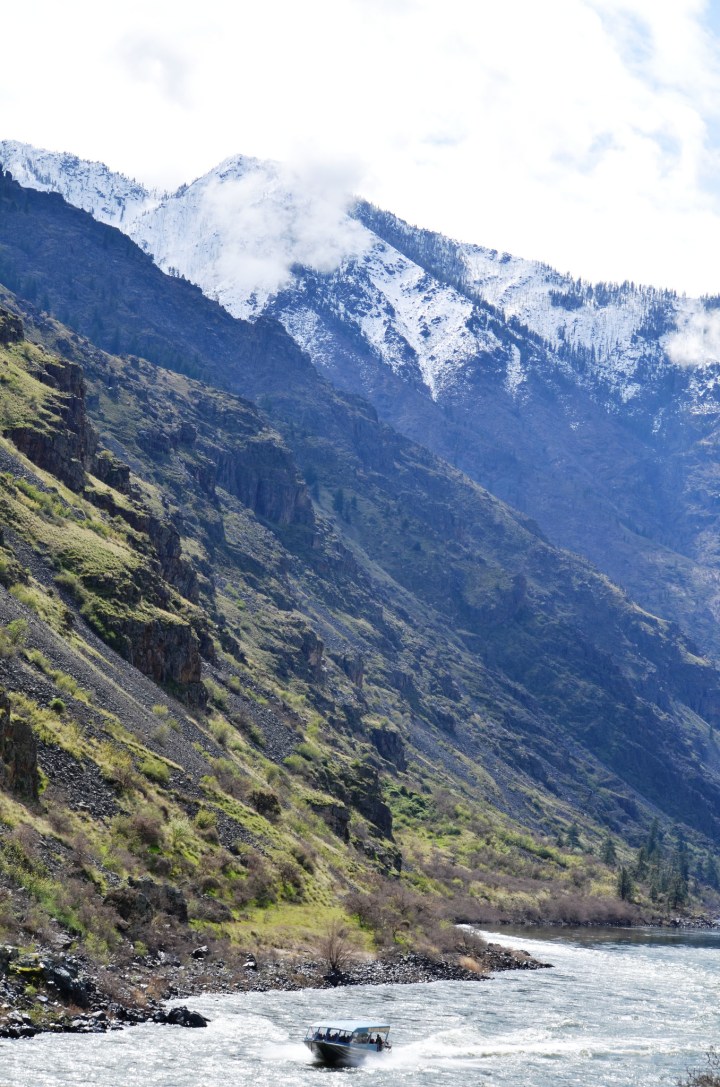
{"points": [[345, 1040]]}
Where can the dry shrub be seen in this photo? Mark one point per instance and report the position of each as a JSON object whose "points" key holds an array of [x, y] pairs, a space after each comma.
{"points": [[117, 768], [259, 885], [585, 909], [229, 778], [83, 911], [210, 884], [143, 829], [335, 948], [9, 926], [159, 865], [470, 964], [291, 878], [58, 816], [704, 1077], [393, 912], [469, 943]]}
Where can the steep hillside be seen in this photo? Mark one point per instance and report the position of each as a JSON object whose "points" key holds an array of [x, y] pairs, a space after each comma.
{"points": [[538, 641], [592, 408], [266, 668]]}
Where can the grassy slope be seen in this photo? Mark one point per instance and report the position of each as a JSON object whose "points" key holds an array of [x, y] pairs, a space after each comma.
{"points": [[181, 796], [526, 694]]}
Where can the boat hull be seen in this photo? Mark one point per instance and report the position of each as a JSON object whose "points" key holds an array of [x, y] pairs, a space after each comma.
{"points": [[338, 1053]]}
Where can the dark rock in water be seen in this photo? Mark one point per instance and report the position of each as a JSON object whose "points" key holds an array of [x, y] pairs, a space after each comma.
{"points": [[335, 977], [181, 1017]]}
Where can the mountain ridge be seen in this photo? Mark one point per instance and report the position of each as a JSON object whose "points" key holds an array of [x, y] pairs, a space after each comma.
{"points": [[394, 694], [332, 436], [607, 444]]}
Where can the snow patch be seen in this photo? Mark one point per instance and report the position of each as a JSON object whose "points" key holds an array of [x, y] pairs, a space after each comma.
{"points": [[515, 375]]}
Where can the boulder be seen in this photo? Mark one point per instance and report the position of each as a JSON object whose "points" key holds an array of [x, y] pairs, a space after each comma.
{"points": [[182, 1017], [164, 897]]}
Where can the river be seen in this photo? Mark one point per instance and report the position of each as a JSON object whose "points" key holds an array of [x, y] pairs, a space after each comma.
{"points": [[619, 1008]]}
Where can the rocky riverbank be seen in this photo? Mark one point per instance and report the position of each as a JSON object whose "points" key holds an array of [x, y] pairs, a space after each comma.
{"points": [[41, 993]]}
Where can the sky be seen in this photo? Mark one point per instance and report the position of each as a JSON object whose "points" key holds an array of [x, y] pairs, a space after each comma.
{"points": [[583, 133]]}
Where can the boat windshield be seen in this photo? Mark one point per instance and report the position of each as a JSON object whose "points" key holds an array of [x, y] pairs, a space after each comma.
{"points": [[347, 1033]]}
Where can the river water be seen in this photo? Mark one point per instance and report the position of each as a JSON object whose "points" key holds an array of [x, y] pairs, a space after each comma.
{"points": [[619, 1008]]}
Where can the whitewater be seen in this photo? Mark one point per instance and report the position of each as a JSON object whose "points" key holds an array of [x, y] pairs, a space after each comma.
{"points": [[616, 1009]]}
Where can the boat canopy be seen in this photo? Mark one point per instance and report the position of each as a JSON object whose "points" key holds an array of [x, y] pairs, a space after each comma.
{"points": [[350, 1026]]}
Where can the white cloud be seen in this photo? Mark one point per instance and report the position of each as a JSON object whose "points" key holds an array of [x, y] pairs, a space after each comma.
{"points": [[698, 342], [151, 60], [256, 221], [581, 132], [273, 219]]}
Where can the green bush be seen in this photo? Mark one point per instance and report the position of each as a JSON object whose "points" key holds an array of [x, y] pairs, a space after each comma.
{"points": [[155, 770]]}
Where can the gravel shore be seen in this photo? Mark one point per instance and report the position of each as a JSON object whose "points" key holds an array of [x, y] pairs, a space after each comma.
{"points": [[41, 993]]}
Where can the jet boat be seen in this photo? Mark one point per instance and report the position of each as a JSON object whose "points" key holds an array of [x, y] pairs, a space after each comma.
{"points": [[346, 1041]]}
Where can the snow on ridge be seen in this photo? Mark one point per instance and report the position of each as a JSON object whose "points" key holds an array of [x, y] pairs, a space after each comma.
{"points": [[247, 232], [241, 230], [533, 293], [109, 197]]}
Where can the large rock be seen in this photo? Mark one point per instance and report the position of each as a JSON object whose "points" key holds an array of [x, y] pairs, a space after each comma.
{"points": [[167, 651], [139, 901], [11, 328], [263, 476], [181, 1017], [163, 896], [337, 817], [18, 754], [131, 905], [390, 746]]}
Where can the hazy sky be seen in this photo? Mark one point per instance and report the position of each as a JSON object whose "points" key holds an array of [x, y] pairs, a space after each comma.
{"points": [[585, 133]]}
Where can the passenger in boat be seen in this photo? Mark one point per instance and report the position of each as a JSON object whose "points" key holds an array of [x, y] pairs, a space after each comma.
{"points": [[379, 1043]]}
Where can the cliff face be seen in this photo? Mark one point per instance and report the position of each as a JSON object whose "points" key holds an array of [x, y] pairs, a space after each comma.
{"points": [[569, 658], [125, 602], [264, 478]]}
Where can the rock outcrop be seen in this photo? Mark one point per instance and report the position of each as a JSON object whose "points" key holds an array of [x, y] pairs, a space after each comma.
{"points": [[262, 475], [67, 446], [11, 328], [18, 754], [167, 651], [141, 899]]}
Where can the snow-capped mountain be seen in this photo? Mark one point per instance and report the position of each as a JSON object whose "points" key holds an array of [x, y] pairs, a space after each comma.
{"points": [[591, 408], [257, 236]]}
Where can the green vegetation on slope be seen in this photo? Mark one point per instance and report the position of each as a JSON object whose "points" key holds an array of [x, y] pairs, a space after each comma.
{"points": [[394, 701]]}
